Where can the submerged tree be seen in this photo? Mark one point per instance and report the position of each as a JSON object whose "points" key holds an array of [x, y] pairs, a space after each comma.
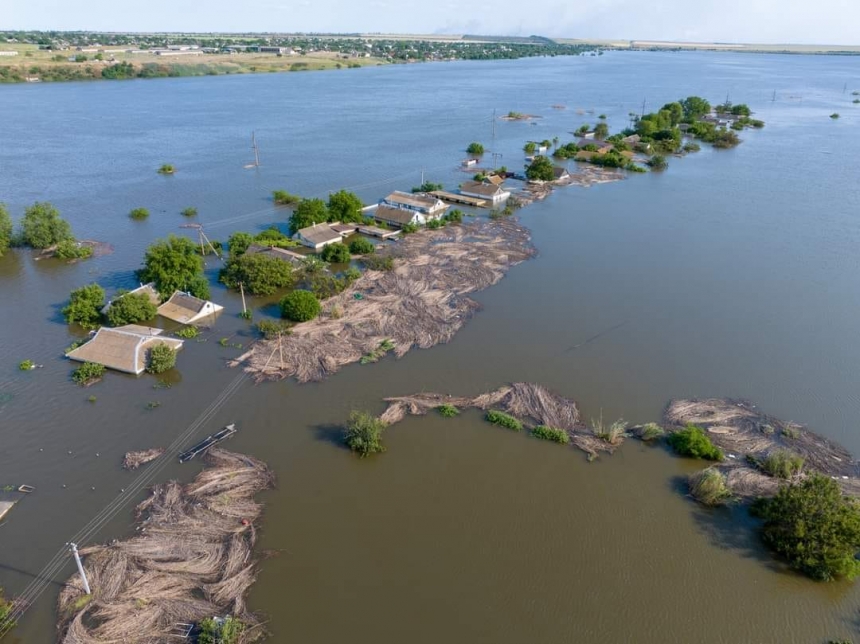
{"points": [[5, 229], [161, 358], [85, 305], [173, 264], [258, 273], [308, 213], [363, 434], [344, 206], [130, 308], [42, 226], [541, 169]]}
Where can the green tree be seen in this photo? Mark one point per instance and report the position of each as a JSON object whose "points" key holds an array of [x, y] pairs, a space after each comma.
{"points": [[363, 434], [695, 107], [130, 308], [335, 253], [161, 358], [541, 169], [475, 148], [42, 226], [284, 198], [675, 111], [361, 246], [260, 274], [658, 162], [173, 264], [85, 305], [530, 147], [601, 131], [139, 213], [814, 527], [741, 109], [5, 229], [344, 206], [227, 631], [238, 243], [308, 213], [300, 306]]}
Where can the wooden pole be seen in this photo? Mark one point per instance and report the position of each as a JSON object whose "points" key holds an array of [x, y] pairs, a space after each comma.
{"points": [[242, 291]]}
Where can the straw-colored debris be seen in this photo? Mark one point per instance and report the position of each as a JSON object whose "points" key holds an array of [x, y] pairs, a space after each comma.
{"points": [[133, 460], [191, 559], [422, 302], [742, 431]]}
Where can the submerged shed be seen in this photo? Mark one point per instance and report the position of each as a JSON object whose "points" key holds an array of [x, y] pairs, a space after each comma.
{"points": [[123, 348], [187, 309]]}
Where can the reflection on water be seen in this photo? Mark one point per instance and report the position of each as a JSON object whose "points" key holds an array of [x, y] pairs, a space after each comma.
{"points": [[732, 274]]}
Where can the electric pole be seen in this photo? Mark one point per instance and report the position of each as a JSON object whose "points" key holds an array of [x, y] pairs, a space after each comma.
{"points": [[242, 291], [74, 549]]}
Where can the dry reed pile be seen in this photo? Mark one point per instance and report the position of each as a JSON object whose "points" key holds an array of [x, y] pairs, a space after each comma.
{"points": [[190, 560], [133, 460], [422, 302]]}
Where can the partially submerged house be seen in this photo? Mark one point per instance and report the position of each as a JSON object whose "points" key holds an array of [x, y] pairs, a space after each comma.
{"points": [[429, 206], [602, 146], [489, 191], [399, 217], [560, 173], [143, 289], [123, 348], [284, 254], [187, 309], [493, 179], [318, 236]]}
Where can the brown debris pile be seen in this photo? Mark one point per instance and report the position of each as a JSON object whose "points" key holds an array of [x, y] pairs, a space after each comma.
{"points": [[190, 560], [422, 302], [133, 460], [741, 430]]}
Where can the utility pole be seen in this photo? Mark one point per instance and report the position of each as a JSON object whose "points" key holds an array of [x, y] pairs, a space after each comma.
{"points": [[422, 176], [242, 291], [643, 106], [74, 550]]}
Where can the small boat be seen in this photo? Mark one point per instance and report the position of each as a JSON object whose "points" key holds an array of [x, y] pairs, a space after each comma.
{"points": [[208, 442]]}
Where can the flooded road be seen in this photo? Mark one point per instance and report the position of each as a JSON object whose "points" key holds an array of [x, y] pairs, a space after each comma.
{"points": [[732, 274]]}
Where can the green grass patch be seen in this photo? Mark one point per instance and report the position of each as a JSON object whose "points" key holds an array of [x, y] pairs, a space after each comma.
{"points": [[502, 419], [448, 411], [551, 434], [693, 442]]}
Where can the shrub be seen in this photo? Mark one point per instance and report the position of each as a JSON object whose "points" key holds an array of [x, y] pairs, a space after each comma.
{"points": [[782, 464], [658, 162], [551, 434], [335, 253], [651, 431], [428, 186], [709, 487], [324, 286], [504, 420], [130, 308], [42, 226], [227, 631], [139, 213], [300, 306], [26, 365], [70, 249], [378, 262], [351, 274], [454, 217], [191, 211], [5, 229], [361, 246], [612, 434], [814, 527], [363, 434], [726, 139], [161, 358], [693, 442], [272, 237], [435, 224], [475, 148], [88, 373], [530, 147], [85, 305], [834, 116], [692, 147], [187, 332], [284, 198], [166, 168], [271, 329], [448, 411], [408, 229]]}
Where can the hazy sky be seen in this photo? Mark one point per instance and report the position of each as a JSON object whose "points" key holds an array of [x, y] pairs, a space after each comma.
{"points": [[759, 21]]}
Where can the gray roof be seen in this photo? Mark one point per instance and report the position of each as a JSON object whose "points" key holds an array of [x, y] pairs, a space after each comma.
{"points": [[279, 253], [182, 307], [319, 234], [414, 200], [483, 189], [397, 216]]}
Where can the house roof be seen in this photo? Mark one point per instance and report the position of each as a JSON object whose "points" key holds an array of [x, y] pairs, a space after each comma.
{"points": [[394, 215], [635, 138], [483, 189], [559, 172], [414, 200], [344, 228], [182, 307], [123, 348], [279, 253], [494, 179], [600, 144], [143, 289], [319, 234]]}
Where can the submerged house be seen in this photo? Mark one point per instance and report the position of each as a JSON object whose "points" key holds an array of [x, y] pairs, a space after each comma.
{"points": [[279, 253], [187, 309], [427, 205], [399, 217], [123, 348], [560, 173], [318, 236], [143, 289], [488, 191]]}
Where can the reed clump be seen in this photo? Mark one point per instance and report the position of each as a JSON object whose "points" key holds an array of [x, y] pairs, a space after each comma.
{"points": [[709, 487], [502, 419], [552, 434]]}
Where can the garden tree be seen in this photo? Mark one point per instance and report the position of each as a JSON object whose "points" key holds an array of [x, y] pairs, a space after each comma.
{"points": [[42, 226], [238, 243], [258, 273], [814, 527], [173, 264], [694, 107], [161, 358], [300, 306], [5, 229], [85, 305], [344, 206], [601, 131], [361, 246], [308, 213], [335, 253], [130, 308], [540, 169], [475, 148]]}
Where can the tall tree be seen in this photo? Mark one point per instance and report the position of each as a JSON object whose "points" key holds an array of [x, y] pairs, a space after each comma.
{"points": [[344, 206], [308, 213], [174, 265], [541, 169], [695, 106], [85, 305], [42, 226]]}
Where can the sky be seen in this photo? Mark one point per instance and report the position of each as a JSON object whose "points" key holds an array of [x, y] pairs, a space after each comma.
{"points": [[748, 21]]}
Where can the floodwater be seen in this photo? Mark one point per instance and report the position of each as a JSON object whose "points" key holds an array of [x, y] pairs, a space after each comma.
{"points": [[734, 273]]}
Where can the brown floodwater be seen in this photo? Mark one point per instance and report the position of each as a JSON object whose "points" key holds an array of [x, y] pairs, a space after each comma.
{"points": [[732, 274]]}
